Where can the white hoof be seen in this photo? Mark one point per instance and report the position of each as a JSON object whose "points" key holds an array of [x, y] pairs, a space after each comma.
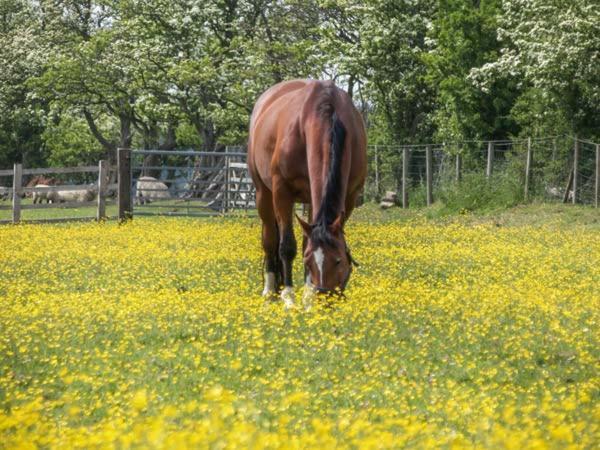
{"points": [[269, 289], [308, 297], [287, 295]]}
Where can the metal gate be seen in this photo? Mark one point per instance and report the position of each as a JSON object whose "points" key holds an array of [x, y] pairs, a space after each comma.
{"points": [[190, 183]]}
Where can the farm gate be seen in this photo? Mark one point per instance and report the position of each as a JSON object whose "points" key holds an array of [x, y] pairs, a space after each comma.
{"points": [[184, 182]]}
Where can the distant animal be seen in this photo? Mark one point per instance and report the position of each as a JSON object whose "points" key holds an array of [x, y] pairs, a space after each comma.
{"points": [[307, 144], [78, 195], [41, 195], [148, 189], [4, 193], [40, 179], [557, 192]]}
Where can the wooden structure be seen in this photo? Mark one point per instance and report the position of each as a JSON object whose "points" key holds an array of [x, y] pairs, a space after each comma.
{"points": [[18, 191]]}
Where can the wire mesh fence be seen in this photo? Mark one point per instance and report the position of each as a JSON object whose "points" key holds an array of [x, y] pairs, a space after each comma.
{"points": [[553, 169]]}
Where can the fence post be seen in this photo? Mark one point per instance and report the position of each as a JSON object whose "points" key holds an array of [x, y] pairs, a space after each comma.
{"points": [[575, 169], [377, 187], [102, 178], [458, 167], [227, 183], [490, 158], [405, 177], [17, 189], [597, 192], [429, 174], [124, 169], [528, 169]]}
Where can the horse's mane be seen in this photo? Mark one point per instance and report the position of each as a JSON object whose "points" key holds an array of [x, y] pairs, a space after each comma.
{"points": [[330, 206]]}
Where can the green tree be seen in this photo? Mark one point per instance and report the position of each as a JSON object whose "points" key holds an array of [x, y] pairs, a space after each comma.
{"points": [[464, 37], [552, 47]]}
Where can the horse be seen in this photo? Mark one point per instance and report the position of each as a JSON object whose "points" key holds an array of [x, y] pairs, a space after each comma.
{"points": [[307, 144]]}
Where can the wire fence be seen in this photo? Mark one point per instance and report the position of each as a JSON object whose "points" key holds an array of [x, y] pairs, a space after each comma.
{"points": [[560, 168]]}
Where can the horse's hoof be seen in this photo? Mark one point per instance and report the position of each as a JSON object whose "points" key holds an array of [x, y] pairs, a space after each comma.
{"points": [[270, 297], [287, 295], [307, 298]]}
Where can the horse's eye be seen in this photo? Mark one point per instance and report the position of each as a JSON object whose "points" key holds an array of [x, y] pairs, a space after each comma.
{"points": [[338, 261]]}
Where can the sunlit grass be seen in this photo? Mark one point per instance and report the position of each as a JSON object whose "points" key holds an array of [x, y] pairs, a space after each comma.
{"points": [[153, 334]]}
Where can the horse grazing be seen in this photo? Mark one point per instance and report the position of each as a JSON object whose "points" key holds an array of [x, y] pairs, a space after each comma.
{"points": [[307, 144]]}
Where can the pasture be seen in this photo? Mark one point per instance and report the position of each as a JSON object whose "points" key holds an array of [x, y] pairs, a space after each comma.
{"points": [[466, 332]]}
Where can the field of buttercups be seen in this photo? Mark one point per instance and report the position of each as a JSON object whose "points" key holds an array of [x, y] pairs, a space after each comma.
{"points": [[153, 334]]}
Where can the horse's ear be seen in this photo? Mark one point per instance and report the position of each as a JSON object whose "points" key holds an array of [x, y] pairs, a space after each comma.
{"points": [[338, 224], [306, 228]]}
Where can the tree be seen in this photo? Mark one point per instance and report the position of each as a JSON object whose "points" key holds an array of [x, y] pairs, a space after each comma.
{"points": [[21, 56], [464, 37], [553, 48]]}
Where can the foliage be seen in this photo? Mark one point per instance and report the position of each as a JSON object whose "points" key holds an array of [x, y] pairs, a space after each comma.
{"points": [[476, 192], [464, 37], [553, 47], [451, 335], [166, 74]]}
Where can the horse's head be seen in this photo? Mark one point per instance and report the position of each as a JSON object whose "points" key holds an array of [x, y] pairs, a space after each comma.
{"points": [[327, 258]]}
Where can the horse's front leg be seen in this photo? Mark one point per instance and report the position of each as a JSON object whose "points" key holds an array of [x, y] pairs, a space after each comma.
{"points": [[287, 253], [284, 209]]}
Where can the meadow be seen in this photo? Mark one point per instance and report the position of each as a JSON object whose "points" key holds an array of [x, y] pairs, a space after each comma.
{"points": [[461, 332]]}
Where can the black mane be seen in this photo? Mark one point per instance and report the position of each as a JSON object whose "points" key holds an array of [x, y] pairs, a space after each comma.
{"points": [[330, 206]]}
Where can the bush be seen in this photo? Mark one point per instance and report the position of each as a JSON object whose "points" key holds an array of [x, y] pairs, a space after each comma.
{"points": [[476, 192]]}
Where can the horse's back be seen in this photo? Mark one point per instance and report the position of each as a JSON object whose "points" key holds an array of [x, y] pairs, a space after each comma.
{"points": [[283, 119]]}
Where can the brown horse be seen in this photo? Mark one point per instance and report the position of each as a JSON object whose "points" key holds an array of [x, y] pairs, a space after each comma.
{"points": [[307, 144]]}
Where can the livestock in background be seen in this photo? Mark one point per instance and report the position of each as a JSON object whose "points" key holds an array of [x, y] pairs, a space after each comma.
{"points": [[42, 180], [4, 193], [42, 194], [78, 195], [307, 144], [148, 189]]}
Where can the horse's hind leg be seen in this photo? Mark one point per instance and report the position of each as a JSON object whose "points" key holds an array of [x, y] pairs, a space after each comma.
{"points": [[264, 203]]}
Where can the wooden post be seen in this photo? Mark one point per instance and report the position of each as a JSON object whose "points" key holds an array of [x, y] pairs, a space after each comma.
{"points": [[575, 169], [102, 179], [17, 188], [528, 169], [377, 187], [490, 158], [429, 174], [597, 190], [124, 169], [405, 177], [458, 167], [227, 184], [569, 184]]}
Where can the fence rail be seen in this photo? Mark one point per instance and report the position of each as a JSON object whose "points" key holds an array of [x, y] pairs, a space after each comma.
{"points": [[57, 196], [193, 183]]}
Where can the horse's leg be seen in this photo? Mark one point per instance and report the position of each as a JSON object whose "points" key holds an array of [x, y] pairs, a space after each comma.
{"points": [[351, 203], [284, 202], [264, 204], [309, 293]]}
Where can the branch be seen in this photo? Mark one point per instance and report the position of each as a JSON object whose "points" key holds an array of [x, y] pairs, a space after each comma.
{"points": [[96, 132]]}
